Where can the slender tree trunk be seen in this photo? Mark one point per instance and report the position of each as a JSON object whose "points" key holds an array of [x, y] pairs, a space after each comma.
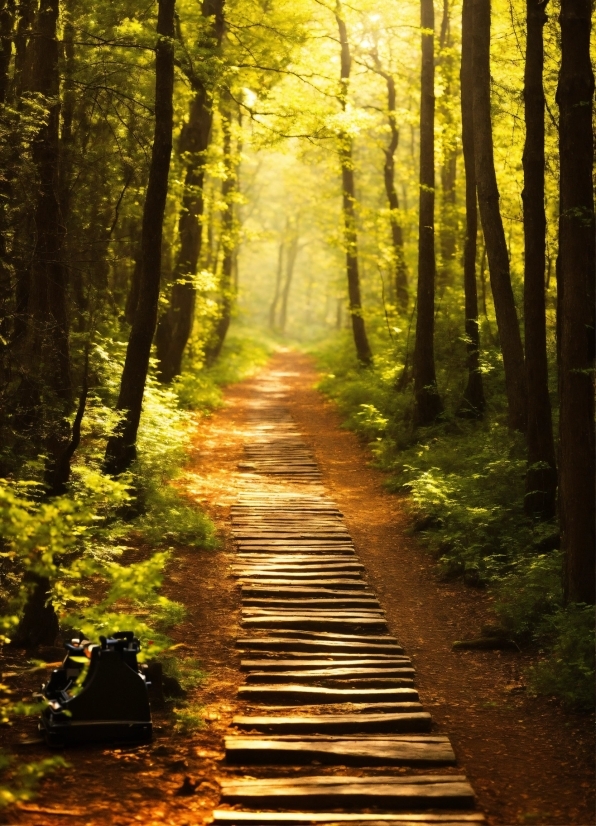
{"points": [[492, 224], [228, 238], [448, 221], [290, 263], [397, 235], [175, 325], [7, 17], [473, 402], [541, 475], [576, 302], [428, 404], [278, 277], [363, 350], [47, 309], [121, 447]]}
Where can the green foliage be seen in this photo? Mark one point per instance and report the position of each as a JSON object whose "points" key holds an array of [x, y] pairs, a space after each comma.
{"points": [[464, 486], [18, 783], [186, 670], [188, 718], [568, 671]]}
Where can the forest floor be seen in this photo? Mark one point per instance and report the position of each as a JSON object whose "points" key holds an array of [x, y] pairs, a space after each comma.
{"points": [[529, 761]]}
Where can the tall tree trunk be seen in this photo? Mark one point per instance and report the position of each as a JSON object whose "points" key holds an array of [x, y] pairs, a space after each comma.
{"points": [[290, 263], [7, 16], [121, 447], [448, 221], [276, 294], [541, 475], [228, 237], [47, 309], [576, 302], [363, 350], [492, 224], [428, 404], [175, 325], [397, 235], [473, 403]]}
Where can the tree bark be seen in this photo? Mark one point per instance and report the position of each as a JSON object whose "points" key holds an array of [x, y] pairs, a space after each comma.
{"points": [[428, 404], [448, 220], [276, 294], [473, 403], [121, 447], [576, 302], [228, 238], [175, 325], [363, 350], [541, 475], [492, 224], [397, 236], [285, 294]]}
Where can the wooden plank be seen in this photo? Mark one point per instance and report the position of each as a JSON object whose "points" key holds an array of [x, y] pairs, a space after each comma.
{"points": [[334, 682], [336, 582], [228, 816], [297, 572], [302, 592], [414, 791], [275, 622], [335, 723], [289, 603], [336, 636], [332, 673], [341, 657], [292, 559], [362, 750], [362, 662], [318, 646], [285, 609], [312, 564], [302, 694]]}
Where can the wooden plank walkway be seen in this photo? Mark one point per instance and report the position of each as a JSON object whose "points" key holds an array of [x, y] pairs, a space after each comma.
{"points": [[326, 682]]}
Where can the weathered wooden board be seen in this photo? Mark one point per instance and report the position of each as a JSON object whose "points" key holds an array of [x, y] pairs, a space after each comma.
{"points": [[335, 582], [276, 643], [331, 673], [357, 601], [362, 750], [314, 564], [229, 816], [331, 658], [302, 591], [303, 577], [335, 723], [280, 664], [301, 694], [415, 791], [275, 622]]}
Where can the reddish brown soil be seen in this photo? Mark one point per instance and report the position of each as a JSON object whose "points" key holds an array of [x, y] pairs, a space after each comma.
{"points": [[528, 760]]}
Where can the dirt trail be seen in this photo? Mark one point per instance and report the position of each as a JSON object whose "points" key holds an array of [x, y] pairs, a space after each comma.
{"points": [[529, 762]]}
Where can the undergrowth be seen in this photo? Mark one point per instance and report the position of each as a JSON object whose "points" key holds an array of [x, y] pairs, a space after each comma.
{"points": [[105, 543], [463, 483]]}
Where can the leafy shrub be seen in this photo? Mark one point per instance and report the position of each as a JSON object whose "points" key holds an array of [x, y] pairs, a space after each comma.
{"points": [[568, 672]]}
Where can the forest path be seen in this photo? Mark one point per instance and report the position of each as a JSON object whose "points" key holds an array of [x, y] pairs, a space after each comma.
{"points": [[326, 682], [527, 761]]}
